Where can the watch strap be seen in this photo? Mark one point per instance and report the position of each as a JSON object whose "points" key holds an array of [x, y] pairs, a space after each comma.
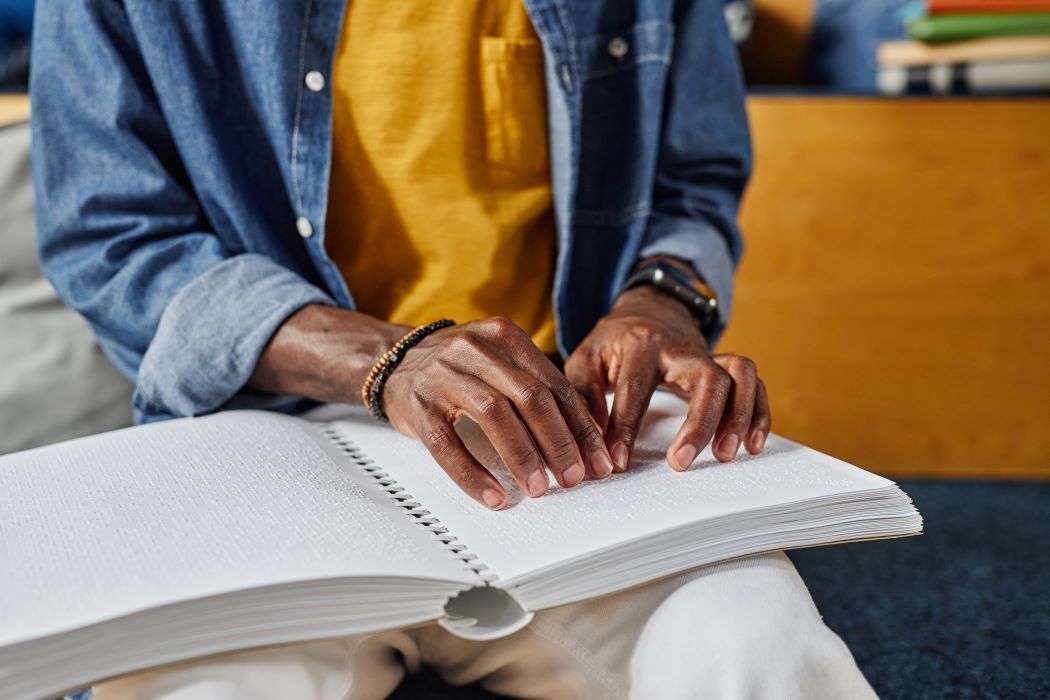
{"points": [[691, 290]]}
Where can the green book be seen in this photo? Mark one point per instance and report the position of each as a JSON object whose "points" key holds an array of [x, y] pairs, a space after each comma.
{"points": [[960, 27]]}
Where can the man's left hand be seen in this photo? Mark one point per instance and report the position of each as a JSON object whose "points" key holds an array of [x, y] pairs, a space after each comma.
{"points": [[650, 340]]}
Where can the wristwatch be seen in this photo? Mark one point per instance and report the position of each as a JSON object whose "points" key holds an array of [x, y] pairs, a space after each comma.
{"points": [[691, 290]]}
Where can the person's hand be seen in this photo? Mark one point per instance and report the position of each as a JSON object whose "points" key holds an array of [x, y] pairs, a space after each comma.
{"points": [[491, 371], [648, 340]]}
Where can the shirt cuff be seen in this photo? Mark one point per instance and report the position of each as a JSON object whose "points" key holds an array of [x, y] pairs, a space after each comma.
{"points": [[705, 248], [211, 335]]}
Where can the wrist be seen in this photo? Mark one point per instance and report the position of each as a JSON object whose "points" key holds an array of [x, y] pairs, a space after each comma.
{"points": [[323, 353], [677, 282], [646, 300]]}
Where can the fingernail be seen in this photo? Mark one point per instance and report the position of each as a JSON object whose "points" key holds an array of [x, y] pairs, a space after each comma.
{"points": [[758, 440], [493, 498], [537, 483], [730, 445], [619, 455], [601, 465], [573, 475], [685, 456]]}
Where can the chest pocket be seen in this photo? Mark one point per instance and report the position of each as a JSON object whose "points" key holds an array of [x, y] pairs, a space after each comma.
{"points": [[514, 100], [624, 80]]}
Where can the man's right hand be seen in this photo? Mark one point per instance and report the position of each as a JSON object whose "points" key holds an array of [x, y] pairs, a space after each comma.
{"points": [[489, 370]]}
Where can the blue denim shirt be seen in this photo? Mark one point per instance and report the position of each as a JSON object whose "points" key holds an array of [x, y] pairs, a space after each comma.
{"points": [[181, 160]]}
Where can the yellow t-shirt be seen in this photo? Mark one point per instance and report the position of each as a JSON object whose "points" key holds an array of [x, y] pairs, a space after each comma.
{"points": [[440, 195]]}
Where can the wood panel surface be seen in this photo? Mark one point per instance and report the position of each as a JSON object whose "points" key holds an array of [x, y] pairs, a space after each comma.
{"points": [[896, 287], [13, 108]]}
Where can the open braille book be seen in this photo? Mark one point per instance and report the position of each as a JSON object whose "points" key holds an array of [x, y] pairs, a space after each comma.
{"points": [[162, 543]]}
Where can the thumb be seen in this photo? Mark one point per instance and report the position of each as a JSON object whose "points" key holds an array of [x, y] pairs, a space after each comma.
{"points": [[587, 373]]}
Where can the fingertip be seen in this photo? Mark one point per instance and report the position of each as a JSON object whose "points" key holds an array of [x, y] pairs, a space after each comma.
{"points": [[493, 499], [537, 483], [728, 447], [757, 443], [573, 475], [683, 457], [601, 464]]}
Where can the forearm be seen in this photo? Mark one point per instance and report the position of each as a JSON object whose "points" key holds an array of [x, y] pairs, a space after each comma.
{"points": [[323, 353]]}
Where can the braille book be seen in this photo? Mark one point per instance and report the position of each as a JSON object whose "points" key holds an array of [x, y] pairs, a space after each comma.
{"points": [[167, 542]]}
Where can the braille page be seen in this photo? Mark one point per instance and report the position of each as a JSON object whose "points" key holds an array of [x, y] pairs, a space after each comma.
{"points": [[648, 498], [111, 524]]}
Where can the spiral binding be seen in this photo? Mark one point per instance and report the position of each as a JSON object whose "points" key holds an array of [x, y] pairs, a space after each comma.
{"points": [[406, 501]]}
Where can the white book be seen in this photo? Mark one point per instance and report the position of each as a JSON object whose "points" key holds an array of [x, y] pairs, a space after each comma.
{"points": [[969, 78], [162, 543]]}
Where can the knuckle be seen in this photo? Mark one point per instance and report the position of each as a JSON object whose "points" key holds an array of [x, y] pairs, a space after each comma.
{"points": [[708, 422], [524, 453], [588, 435], [741, 416], [490, 405], [438, 441], [566, 393], [645, 333], [745, 365], [720, 381], [464, 343], [533, 395], [626, 433], [562, 449], [466, 478], [501, 326]]}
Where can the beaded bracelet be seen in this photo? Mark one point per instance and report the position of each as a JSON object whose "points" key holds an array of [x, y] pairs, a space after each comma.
{"points": [[372, 389]]}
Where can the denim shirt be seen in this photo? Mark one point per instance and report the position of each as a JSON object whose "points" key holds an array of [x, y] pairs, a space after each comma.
{"points": [[182, 153]]}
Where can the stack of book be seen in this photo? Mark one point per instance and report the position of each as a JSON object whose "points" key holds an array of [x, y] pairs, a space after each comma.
{"points": [[970, 47]]}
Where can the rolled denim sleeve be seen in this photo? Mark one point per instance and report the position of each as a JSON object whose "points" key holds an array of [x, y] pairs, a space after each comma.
{"points": [[122, 236], [211, 334], [705, 154]]}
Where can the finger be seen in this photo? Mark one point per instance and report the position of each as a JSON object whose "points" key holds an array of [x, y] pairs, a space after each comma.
{"points": [[588, 376], [494, 413], [441, 440], [760, 420], [572, 409], [710, 391], [636, 381], [539, 410], [740, 405]]}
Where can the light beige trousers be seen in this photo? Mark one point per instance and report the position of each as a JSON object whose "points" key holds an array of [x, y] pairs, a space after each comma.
{"points": [[740, 629]]}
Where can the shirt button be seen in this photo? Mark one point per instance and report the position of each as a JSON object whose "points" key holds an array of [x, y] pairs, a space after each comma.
{"points": [[302, 224], [618, 47], [315, 81]]}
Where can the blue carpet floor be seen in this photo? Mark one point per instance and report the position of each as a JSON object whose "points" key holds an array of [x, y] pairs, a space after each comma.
{"points": [[961, 612]]}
